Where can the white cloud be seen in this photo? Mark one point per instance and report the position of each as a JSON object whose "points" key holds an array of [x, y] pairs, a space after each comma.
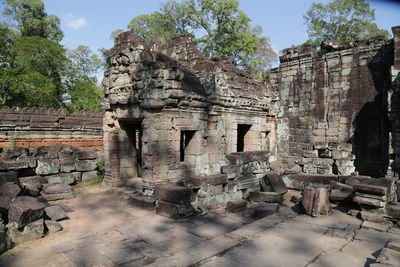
{"points": [[75, 22]]}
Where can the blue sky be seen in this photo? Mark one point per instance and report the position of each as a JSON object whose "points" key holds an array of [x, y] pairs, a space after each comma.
{"points": [[90, 22]]}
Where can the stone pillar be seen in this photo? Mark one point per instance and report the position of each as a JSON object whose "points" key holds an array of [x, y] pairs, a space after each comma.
{"points": [[112, 159]]}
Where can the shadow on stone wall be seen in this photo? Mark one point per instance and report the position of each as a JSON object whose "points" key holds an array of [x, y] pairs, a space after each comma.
{"points": [[371, 125]]}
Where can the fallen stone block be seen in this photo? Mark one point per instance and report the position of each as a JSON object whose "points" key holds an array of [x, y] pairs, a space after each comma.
{"points": [[340, 195], [32, 190], [341, 186], [31, 231], [53, 197], [371, 189], [276, 182], [380, 227], [316, 201], [393, 211], [24, 210], [236, 206], [87, 176], [8, 192], [52, 226], [10, 176], [372, 216], [66, 208], [381, 198], [265, 209], [174, 211], [304, 180], [369, 201], [56, 213], [173, 193], [270, 197], [62, 178]]}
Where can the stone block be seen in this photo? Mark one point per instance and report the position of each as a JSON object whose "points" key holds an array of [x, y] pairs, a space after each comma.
{"points": [[53, 197], [56, 213], [236, 206], [269, 197], [33, 180], [8, 192], [67, 165], [301, 181], [47, 166], [85, 165], [198, 181], [369, 201], [9, 176], [78, 176], [393, 211], [173, 193], [372, 216], [316, 201], [265, 209], [276, 182], [86, 176], [83, 154], [24, 210], [142, 201], [209, 190], [32, 190], [371, 189], [174, 211], [31, 231], [341, 195], [61, 178], [56, 188], [52, 226]]}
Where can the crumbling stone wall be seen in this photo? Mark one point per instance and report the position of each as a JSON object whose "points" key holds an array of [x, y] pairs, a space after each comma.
{"points": [[35, 127], [333, 107], [174, 114]]}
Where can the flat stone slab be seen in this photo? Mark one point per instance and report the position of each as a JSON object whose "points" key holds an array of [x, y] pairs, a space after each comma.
{"points": [[53, 226]]}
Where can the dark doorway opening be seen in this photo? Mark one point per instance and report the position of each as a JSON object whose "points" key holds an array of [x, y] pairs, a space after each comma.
{"points": [[186, 138], [131, 149], [242, 130]]}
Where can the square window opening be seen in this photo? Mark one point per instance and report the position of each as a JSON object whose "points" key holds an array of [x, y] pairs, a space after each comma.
{"points": [[186, 138]]}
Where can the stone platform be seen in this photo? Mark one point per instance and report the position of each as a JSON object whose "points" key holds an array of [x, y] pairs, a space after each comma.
{"points": [[114, 233]]}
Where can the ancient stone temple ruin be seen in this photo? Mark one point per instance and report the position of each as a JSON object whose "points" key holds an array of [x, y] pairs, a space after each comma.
{"points": [[200, 132]]}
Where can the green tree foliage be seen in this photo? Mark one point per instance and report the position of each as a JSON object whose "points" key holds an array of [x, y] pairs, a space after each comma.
{"points": [[81, 83], [31, 19], [35, 70], [218, 26], [344, 20]]}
